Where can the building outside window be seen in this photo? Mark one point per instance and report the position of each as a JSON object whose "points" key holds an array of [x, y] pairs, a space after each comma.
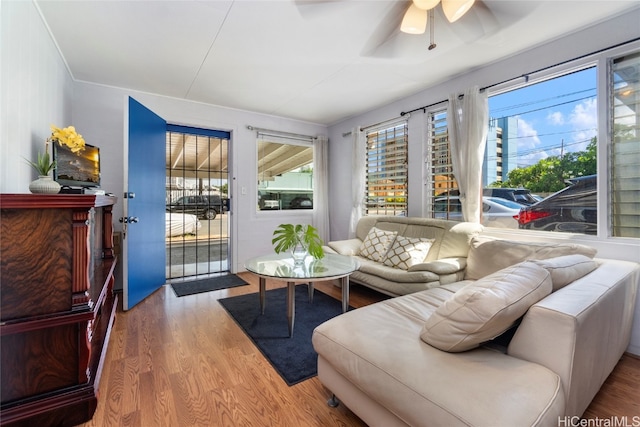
{"points": [[386, 170]]}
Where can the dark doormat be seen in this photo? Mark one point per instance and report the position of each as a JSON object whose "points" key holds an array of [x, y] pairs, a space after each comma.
{"points": [[207, 285], [293, 358]]}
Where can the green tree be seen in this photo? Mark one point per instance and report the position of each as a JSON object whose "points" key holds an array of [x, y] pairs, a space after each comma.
{"points": [[549, 175]]}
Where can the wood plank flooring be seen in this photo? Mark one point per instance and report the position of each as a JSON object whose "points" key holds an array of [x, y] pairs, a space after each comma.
{"points": [[184, 362]]}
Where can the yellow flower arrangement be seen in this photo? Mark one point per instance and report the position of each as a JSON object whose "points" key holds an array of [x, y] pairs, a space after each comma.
{"points": [[67, 136]]}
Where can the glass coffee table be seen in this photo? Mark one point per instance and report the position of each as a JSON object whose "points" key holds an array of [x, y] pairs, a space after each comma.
{"points": [[281, 267]]}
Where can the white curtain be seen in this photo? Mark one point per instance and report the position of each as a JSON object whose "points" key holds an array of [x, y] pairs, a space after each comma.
{"points": [[358, 178], [467, 120], [321, 187]]}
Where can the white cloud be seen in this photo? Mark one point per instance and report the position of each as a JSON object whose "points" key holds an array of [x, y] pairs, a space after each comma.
{"points": [[529, 151], [556, 118], [584, 121]]}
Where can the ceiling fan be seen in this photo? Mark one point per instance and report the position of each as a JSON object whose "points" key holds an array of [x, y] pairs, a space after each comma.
{"points": [[476, 20], [422, 11]]}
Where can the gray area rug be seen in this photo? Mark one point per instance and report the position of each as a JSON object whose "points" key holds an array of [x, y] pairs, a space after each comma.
{"points": [[207, 285]]}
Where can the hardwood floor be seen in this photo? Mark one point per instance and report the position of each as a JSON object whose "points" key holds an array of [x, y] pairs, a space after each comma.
{"points": [[184, 362]]}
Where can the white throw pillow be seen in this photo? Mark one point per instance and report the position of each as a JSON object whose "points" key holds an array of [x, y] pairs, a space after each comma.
{"points": [[486, 308], [377, 243], [407, 251]]}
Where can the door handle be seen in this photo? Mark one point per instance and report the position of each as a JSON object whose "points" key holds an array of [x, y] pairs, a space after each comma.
{"points": [[128, 219]]}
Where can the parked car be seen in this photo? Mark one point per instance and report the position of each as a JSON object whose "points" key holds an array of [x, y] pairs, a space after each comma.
{"points": [[496, 212], [269, 204], [205, 206], [179, 224], [301, 203], [570, 210], [519, 195], [375, 202]]}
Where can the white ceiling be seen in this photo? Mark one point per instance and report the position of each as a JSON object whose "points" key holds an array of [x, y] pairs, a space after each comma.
{"points": [[314, 60]]}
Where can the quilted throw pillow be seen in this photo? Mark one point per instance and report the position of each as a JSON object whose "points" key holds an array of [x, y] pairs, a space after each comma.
{"points": [[377, 243], [407, 251]]}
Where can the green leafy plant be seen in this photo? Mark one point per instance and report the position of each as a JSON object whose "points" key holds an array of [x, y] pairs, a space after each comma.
{"points": [[287, 236], [43, 165]]}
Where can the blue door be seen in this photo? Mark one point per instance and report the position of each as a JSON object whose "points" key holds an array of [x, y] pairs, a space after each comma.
{"points": [[144, 204]]}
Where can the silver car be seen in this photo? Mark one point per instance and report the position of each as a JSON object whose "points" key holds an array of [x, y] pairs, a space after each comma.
{"points": [[496, 211]]}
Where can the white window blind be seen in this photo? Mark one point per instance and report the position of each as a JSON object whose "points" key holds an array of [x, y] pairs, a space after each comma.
{"points": [[386, 169], [625, 150]]}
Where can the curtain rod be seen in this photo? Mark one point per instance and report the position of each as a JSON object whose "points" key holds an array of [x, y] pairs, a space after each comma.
{"points": [[281, 133], [345, 134], [526, 76]]}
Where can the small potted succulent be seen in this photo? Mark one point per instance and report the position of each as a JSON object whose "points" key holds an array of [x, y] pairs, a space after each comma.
{"points": [[300, 239]]}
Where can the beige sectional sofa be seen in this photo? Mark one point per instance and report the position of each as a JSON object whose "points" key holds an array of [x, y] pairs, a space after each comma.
{"points": [[519, 342], [439, 248]]}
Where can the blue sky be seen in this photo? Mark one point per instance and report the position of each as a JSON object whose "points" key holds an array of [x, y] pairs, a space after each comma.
{"points": [[552, 115]]}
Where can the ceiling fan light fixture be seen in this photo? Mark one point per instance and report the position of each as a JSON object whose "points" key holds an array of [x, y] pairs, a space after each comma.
{"points": [[426, 4], [414, 21], [454, 9]]}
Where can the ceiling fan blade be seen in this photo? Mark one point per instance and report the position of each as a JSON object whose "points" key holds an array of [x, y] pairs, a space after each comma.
{"points": [[487, 17], [478, 22], [310, 9], [386, 31]]}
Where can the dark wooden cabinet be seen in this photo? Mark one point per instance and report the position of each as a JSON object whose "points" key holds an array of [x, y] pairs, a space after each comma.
{"points": [[57, 306]]}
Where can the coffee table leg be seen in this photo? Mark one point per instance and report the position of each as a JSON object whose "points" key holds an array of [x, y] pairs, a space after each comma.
{"points": [[291, 305], [345, 293], [263, 286], [310, 285]]}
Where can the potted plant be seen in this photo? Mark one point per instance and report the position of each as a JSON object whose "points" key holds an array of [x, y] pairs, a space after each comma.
{"points": [[44, 164], [300, 239]]}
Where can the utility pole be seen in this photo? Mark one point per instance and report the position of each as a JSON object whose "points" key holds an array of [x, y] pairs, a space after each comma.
{"points": [[561, 161]]}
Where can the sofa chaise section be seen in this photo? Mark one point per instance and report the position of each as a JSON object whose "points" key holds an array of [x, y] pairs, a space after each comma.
{"points": [[548, 365]]}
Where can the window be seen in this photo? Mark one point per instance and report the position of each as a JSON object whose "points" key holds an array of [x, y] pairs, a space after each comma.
{"points": [[545, 138], [285, 173], [624, 81], [386, 170], [541, 137], [439, 170]]}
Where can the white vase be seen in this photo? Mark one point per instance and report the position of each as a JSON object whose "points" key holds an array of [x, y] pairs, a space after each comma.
{"points": [[44, 185]]}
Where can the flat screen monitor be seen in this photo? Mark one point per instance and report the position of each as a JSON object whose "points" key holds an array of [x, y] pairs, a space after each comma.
{"points": [[81, 169]]}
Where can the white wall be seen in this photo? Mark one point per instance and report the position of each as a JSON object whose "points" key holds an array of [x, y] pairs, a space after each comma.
{"points": [[100, 110], [35, 92], [604, 35]]}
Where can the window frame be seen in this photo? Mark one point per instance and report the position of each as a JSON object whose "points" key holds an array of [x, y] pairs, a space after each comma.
{"points": [[601, 60]]}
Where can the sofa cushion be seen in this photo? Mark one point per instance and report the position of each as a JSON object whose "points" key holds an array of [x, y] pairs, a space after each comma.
{"points": [[442, 266], [488, 255], [568, 268], [377, 243], [395, 274], [407, 251], [346, 247], [486, 308]]}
